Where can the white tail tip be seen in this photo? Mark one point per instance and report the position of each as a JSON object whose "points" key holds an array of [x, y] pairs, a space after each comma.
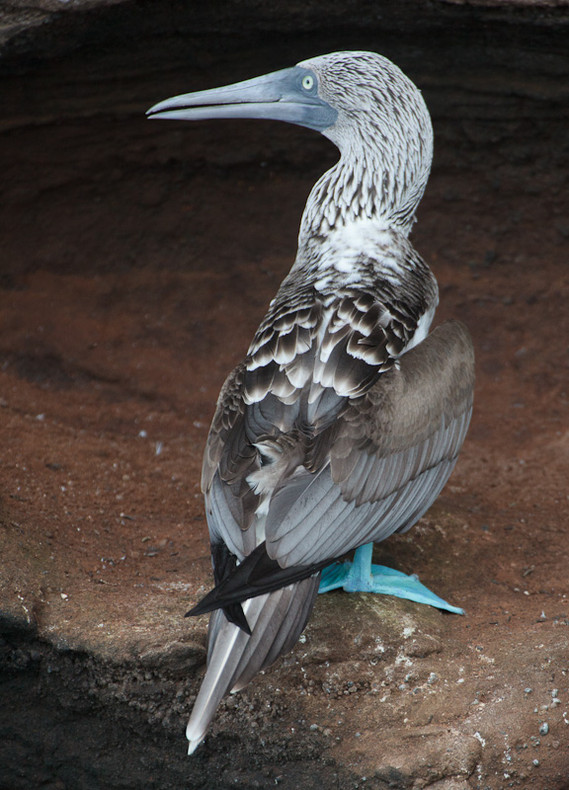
{"points": [[193, 744]]}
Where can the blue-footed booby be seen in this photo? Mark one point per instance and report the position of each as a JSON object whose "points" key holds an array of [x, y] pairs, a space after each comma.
{"points": [[345, 419]]}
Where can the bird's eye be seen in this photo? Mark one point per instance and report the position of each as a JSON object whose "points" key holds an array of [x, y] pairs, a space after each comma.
{"points": [[308, 82]]}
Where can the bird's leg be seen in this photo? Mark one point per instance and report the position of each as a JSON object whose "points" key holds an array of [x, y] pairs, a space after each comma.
{"points": [[361, 576]]}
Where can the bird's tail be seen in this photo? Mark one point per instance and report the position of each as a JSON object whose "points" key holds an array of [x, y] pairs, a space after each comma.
{"points": [[276, 620]]}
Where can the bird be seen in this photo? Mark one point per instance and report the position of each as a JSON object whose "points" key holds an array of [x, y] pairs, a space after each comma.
{"points": [[345, 418]]}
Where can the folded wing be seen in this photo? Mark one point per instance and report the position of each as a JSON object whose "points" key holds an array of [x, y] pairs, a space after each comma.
{"points": [[381, 466]]}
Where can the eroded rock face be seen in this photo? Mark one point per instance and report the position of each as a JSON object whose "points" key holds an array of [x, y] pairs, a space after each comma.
{"points": [[129, 250], [494, 47]]}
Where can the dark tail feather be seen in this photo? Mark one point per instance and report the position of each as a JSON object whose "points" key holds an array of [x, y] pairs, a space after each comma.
{"points": [[256, 575], [234, 658]]}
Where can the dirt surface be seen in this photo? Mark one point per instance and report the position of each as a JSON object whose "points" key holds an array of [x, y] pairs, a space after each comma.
{"points": [[137, 261]]}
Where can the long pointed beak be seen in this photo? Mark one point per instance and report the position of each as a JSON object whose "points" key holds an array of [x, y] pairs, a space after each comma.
{"points": [[279, 96]]}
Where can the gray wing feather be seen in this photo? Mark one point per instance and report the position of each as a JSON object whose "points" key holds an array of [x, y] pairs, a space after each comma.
{"points": [[222, 521], [389, 458]]}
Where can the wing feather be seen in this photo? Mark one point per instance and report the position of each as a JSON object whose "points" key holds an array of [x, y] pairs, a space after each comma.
{"points": [[390, 456]]}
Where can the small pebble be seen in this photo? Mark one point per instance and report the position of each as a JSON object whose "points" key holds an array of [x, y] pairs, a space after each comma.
{"points": [[535, 762], [544, 729], [527, 690]]}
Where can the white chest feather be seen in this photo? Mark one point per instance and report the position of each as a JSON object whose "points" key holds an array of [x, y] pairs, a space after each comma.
{"points": [[344, 249]]}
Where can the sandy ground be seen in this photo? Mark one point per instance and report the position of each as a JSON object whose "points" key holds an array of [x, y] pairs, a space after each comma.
{"points": [[137, 261]]}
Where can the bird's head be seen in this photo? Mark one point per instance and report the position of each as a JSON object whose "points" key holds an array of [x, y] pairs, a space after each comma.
{"points": [[361, 101], [371, 97]]}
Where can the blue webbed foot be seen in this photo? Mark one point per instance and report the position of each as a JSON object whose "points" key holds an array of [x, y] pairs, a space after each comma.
{"points": [[361, 576]]}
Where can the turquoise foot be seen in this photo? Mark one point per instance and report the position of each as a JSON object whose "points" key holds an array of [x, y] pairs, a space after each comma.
{"points": [[361, 576]]}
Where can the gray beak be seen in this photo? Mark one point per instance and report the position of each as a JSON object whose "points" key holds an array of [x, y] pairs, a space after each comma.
{"points": [[289, 95]]}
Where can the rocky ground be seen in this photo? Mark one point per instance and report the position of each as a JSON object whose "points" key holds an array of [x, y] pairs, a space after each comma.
{"points": [[137, 261]]}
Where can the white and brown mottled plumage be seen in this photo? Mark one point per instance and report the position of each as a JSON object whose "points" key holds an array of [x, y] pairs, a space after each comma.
{"points": [[345, 419]]}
